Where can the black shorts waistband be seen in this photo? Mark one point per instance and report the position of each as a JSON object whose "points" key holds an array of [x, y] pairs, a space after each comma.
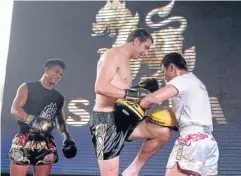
{"points": [[103, 117], [24, 129], [35, 134]]}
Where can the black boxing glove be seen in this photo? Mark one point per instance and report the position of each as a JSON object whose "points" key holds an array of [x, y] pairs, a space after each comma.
{"points": [[150, 84], [135, 94], [69, 148], [38, 123]]}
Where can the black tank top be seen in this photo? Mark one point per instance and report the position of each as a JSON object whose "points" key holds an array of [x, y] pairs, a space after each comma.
{"points": [[41, 102]]}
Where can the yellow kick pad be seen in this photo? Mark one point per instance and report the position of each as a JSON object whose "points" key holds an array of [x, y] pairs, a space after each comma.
{"points": [[163, 117]]}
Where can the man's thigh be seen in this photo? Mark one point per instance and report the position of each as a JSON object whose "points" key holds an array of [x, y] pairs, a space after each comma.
{"points": [[42, 170], [146, 130], [109, 167], [107, 140], [17, 169]]}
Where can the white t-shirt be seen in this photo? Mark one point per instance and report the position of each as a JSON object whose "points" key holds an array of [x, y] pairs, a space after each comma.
{"points": [[191, 105]]}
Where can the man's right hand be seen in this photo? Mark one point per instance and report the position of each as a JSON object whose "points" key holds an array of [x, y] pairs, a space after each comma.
{"points": [[38, 123], [135, 94], [69, 148]]}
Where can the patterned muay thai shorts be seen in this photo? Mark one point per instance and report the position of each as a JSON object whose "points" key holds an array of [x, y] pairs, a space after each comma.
{"points": [[33, 149], [109, 133], [195, 153]]}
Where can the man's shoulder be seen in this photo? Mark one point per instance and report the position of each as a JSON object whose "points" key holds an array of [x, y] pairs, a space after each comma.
{"points": [[187, 76], [184, 79], [115, 51], [194, 78], [30, 83], [181, 78], [111, 55], [190, 79]]}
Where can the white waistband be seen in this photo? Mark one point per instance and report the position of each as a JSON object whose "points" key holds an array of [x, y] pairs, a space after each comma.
{"points": [[190, 129]]}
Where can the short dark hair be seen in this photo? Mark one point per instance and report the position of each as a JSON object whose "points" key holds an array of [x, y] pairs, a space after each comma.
{"points": [[54, 62], [176, 59], [141, 34]]}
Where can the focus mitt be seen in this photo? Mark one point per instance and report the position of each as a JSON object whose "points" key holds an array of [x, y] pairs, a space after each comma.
{"points": [[128, 108], [164, 117]]}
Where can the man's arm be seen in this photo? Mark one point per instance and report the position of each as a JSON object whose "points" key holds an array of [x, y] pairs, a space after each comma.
{"points": [[106, 72], [156, 97], [19, 101], [60, 121], [68, 146]]}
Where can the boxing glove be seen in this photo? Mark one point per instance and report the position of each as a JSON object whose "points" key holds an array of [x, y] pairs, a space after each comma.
{"points": [[39, 123], [150, 84], [135, 94], [69, 148]]}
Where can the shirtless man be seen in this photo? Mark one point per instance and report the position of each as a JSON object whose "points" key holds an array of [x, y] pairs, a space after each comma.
{"points": [[112, 83], [196, 151]]}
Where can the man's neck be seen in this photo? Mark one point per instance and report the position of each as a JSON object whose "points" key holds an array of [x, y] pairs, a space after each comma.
{"points": [[45, 83], [127, 50]]}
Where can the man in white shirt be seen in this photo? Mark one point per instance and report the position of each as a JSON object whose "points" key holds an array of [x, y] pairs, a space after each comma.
{"points": [[196, 151]]}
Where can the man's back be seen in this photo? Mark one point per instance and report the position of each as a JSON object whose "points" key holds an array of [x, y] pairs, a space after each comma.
{"points": [[192, 104]]}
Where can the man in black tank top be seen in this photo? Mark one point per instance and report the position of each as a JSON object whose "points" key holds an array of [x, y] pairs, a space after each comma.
{"points": [[39, 108]]}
